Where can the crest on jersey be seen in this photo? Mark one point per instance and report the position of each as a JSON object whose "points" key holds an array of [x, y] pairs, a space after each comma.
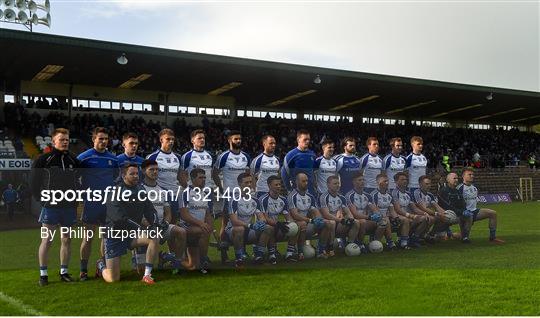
{"points": [[110, 162]]}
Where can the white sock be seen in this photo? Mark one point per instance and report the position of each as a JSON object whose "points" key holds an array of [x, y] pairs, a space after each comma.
{"points": [[43, 272], [147, 270], [63, 270]]}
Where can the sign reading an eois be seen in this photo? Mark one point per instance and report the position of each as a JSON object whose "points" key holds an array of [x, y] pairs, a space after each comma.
{"points": [[15, 164]]}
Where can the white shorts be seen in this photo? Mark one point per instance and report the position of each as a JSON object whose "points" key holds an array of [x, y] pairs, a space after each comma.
{"points": [[251, 236]]}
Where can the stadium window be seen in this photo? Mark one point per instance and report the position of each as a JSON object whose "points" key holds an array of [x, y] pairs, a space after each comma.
{"points": [[9, 98], [127, 106], [192, 110], [210, 111], [105, 105], [147, 107], [137, 107], [94, 104], [256, 113], [74, 103], [179, 109], [293, 116], [82, 103], [287, 116], [219, 111], [115, 105], [240, 113], [307, 116], [173, 109], [249, 113]]}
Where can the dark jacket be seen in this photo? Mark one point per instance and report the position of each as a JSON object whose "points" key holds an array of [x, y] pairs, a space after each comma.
{"points": [[126, 215], [56, 170], [451, 199]]}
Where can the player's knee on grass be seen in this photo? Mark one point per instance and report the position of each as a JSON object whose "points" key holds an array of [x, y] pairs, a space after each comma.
{"points": [[111, 273]]}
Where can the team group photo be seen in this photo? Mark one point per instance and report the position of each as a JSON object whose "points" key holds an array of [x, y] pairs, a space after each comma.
{"points": [[343, 202], [269, 158]]}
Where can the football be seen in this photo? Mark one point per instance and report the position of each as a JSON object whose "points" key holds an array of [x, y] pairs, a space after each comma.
{"points": [[293, 229], [352, 249], [451, 217], [309, 251], [375, 247]]}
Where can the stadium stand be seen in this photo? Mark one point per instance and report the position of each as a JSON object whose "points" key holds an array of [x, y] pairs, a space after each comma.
{"points": [[494, 148]]}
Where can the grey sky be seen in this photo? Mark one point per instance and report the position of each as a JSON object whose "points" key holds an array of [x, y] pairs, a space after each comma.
{"points": [[490, 43]]}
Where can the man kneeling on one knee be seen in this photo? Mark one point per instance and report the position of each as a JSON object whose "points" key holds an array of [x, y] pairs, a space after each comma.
{"points": [[126, 215]]}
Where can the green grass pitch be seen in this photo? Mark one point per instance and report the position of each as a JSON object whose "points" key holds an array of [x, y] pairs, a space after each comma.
{"points": [[447, 278]]}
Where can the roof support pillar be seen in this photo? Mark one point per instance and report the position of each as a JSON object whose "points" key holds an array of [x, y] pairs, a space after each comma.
{"points": [[232, 110], [70, 100], [166, 108]]}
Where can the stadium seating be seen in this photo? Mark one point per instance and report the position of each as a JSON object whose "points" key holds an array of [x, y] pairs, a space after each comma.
{"points": [[7, 149]]}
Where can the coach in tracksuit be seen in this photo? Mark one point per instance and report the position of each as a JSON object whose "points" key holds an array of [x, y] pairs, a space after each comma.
{"points": [[56, 170]]}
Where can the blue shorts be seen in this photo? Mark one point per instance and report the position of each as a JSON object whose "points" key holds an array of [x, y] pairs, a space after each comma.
{"points": [[55, 216], [475, 214], [116, 247], [94, 213]]}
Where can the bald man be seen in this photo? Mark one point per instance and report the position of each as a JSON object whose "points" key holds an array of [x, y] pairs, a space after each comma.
{"points": [[450, 198]]}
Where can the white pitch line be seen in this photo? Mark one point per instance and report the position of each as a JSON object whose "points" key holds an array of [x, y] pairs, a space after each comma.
{"points": [[19, 305]]}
